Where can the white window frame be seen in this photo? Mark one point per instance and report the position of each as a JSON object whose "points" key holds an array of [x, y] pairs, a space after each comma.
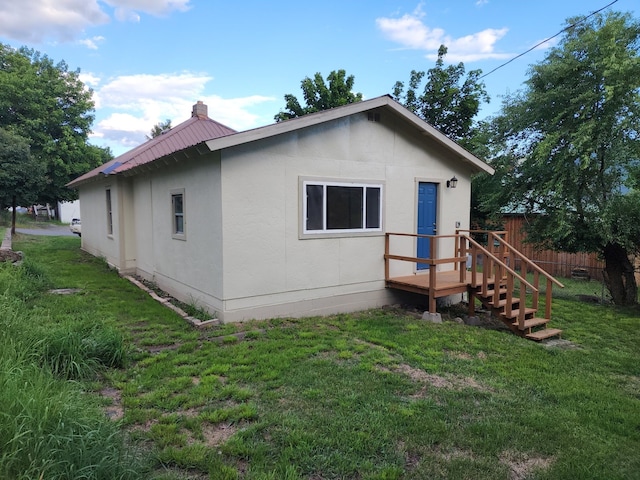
{"points": [[109, 206], [325, 232], [174, 232]]}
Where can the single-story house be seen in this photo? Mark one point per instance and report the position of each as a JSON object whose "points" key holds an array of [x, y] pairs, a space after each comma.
{"points": [[283, 220]]}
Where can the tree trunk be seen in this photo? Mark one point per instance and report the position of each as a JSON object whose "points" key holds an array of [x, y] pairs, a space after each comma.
{"points": [[619, 275], [13, 215]]}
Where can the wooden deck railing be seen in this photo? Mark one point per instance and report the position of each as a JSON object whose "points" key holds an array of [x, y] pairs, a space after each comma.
{"points": [[433, 261], [497, 260], [509, 254]]}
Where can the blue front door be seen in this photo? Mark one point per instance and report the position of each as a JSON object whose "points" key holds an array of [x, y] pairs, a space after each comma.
{"points": [[427, 207]]}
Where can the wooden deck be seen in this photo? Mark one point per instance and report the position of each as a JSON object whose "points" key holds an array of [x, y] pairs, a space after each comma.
{"points": [[502, 290], [447, 283]]}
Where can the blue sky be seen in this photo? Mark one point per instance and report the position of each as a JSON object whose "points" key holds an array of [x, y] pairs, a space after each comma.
{"points": [[150, 60]]}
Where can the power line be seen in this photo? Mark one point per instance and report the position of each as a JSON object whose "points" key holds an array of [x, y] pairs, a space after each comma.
{"points": [[547, 39]]}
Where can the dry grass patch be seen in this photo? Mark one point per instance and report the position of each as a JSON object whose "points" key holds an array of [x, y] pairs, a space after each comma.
{"points": [[411, 458], [522, 466], [454, 454], [437, 381], [465, 356]]}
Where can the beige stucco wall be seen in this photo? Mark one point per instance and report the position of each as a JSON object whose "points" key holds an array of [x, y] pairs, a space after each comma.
{"points": [[190, 268], [244, 255], [93, 211], [267, 264]]}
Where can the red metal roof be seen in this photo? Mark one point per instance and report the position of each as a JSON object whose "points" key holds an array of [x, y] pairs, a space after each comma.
{"points": [[198, 129]]}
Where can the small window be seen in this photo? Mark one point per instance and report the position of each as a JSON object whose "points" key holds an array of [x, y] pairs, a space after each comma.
{"points": [[109, 212], [178, 214], [333, 207]]}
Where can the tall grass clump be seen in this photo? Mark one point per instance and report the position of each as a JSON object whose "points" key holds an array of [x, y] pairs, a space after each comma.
{"points": [[75, 351], [31, 280], [49, 427]]}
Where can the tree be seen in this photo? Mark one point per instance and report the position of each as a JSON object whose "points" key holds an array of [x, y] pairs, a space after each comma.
{"points": [[47, 104], [449, 101], [320, 97], [159, 128], [21, 176], [573, 140]]}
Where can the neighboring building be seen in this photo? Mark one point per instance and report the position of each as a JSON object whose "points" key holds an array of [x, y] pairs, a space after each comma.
{"points": [[283, 220], [68, 210]]}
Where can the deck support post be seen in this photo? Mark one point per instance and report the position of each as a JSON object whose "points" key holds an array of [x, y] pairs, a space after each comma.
{"points": [[472, 301], [432, 300]]}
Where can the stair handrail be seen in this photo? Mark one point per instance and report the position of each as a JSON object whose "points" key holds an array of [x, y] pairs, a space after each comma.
{"points": [[537, 271], [510, 283], [526, 259], [499, 262]]}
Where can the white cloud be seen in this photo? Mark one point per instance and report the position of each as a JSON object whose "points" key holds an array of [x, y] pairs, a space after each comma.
{"points": [[131, 105], [34, 21], [91, 43], [545, 44], [480, 3], [89, 79], [410, 31], [125, 10]]}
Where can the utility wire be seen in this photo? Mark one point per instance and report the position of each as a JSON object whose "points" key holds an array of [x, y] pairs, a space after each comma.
{"points": [[547, 39]]}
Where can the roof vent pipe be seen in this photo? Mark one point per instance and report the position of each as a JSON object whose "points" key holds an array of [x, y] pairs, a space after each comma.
{"points": [[199, 110]]}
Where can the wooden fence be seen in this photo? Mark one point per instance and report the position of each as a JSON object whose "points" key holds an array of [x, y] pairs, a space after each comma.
{"points": [[558, 264]]}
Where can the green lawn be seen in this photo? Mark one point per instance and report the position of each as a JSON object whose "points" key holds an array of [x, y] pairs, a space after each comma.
{"points": [[373, 395]]}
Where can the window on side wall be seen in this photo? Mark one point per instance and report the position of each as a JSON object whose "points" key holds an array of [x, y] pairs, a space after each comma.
{"points": [[109, 212], [334, 208], [178, 217]]}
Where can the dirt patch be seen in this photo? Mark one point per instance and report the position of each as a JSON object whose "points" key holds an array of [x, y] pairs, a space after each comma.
{"points": [[216, 435], [237, 336], [163, 348], [115, 411], [522, 466], [143, 427], [189, 412]]}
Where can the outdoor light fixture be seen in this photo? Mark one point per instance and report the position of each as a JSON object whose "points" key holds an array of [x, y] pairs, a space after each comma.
{"points": [[453, 183]]}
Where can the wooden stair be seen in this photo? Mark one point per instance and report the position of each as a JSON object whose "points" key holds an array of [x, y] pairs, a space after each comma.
{"points": [[504, 302], [486, 270]]}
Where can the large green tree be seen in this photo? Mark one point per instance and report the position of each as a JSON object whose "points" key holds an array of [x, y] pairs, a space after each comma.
{"points": [[449, 99], [159, 128], [47, 104], [320, 96], [572, 144], [21, 176]]}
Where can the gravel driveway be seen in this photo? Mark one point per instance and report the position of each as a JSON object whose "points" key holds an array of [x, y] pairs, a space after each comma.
{"points": [[50, 230]]}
